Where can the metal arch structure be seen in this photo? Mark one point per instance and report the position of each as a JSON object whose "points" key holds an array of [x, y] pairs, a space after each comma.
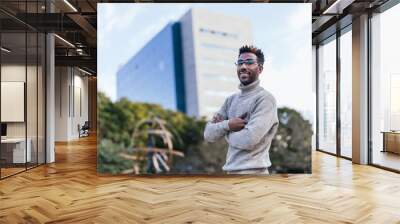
{"points": [[159, 159]]}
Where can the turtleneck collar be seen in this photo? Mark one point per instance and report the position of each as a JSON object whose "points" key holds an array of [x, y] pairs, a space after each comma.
{"points": [[249, 88]]}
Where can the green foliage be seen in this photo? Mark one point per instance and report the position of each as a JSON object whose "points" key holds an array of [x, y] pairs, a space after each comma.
{"points": [[204, 158], [117, 122], [109, 160], [290, 150]]}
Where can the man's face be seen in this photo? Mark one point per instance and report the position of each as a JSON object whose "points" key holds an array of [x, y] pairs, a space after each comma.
{"points": [[247, 68]]}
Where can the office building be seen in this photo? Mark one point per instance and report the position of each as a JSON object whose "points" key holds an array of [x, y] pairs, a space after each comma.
{"points": [[210, 51], [156, 68], [195, 74]]}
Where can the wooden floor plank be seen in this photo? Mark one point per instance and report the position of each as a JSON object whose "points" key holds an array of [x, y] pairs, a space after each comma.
{"points": [[70, 191]]}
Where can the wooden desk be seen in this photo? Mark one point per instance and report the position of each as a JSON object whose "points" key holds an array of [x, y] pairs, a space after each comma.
{"points": [[13, 150], [391, 141]]}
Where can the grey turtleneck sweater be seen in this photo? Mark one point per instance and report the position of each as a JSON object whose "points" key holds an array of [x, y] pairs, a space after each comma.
{"points": [[249, 147]]}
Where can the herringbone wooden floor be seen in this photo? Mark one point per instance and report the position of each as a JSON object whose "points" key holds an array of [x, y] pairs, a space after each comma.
{"points": [[70, 191]]}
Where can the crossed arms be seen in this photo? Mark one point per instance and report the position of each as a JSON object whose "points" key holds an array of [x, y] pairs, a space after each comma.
{"points": [[239, 133]]}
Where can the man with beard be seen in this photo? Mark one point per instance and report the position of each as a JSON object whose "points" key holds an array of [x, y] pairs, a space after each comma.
{"points": [[248, 120]]}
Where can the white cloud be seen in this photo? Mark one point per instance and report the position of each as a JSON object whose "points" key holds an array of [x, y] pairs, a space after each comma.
{"points": [[114, 18], [300, 18], [291, 84], [120, 16], [108, 85], [298, 22]]}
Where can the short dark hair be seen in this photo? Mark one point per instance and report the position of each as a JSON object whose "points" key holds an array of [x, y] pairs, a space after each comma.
{"points": [[254, 50]]}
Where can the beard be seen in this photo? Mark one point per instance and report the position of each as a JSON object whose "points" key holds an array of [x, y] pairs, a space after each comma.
{"points": [[247, 77]]}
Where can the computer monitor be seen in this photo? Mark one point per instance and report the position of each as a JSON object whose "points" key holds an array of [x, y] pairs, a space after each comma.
{"points": [[3, 129]]}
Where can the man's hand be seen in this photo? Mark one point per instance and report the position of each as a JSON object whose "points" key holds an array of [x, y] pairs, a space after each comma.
{"points": [[237, 124], [217, 118]]}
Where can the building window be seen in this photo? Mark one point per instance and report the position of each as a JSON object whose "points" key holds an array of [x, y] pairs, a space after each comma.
{"points": [[327, 96], [218, 47], [346, 94], [218, 33]]}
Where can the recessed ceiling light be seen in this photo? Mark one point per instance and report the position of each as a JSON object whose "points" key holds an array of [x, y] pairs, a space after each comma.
{"points": [[84, 71], [5, 50], [70, 5], [338, 6], [64, 40]]}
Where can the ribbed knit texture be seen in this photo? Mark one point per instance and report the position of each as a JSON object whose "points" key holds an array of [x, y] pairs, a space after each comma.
{"points": [[249, 147]]}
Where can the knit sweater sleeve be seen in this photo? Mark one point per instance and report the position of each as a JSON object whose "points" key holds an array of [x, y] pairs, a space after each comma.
{"points": [[215, 131], [263, 118]]}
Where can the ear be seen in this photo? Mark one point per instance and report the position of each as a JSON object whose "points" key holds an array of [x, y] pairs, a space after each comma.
{"points": [[260, 67]]}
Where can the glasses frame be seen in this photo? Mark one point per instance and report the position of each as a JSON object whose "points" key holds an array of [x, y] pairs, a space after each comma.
{"points": [[247, 62]]}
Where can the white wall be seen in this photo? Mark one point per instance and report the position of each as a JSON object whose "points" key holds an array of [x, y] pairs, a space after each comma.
{"points": [[9, 73], [33, 126], [16, 73], [61, 103], [71, 102]]}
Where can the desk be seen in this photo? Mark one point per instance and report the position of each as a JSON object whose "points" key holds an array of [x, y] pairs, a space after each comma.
{"points": [[15, 148], [391, 141]]}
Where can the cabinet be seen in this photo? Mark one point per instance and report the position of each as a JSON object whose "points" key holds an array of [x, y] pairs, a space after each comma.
{"points": [[13, 150], [391, 141]]}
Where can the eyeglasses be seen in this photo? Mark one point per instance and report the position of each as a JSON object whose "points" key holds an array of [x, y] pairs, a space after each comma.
{"points": [[247, 62]]}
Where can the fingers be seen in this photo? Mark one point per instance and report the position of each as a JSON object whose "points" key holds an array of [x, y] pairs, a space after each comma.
{"points": [[241, 125], [217, 118], [237, 128], [243, 116], [236, 124]]}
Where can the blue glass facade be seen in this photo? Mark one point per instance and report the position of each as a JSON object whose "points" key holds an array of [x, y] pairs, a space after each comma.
{"points": [[155, 73]]}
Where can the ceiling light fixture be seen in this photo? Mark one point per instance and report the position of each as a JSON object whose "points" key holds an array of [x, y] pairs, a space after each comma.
{"points": [[70, 5], [64, 40], [337, 7], [5, 50], [79, 51], [84, 71]]}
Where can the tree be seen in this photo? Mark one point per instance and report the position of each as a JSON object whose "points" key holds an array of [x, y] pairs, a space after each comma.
{"points": [[290, 150]]}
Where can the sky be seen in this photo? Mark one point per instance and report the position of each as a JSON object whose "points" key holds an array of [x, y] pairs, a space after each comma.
{"points": [[282, 31]]}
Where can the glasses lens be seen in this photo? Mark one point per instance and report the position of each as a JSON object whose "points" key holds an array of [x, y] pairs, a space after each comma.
{"points": [[247, 62]]}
